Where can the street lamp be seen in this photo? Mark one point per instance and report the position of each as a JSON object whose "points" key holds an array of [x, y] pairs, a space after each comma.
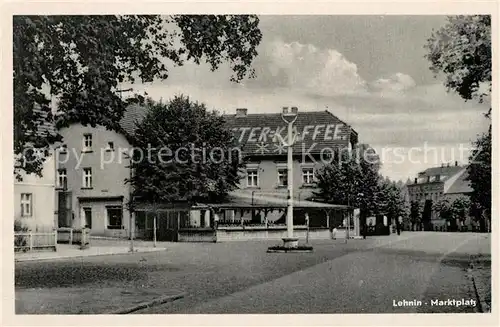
{"points": [[361, 213], [290, 117]]}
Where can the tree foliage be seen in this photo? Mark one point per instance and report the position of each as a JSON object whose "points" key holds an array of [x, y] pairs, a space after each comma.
{"points": [[351, 179], [415, 213], [462, 51], [460, 208], [81, 61], [183, 153], [443, 208], [479, 173], [392, 201]]}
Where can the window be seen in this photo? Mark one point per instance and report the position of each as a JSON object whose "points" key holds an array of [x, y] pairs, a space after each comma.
{"points": [[26, 204], [87, 178], [62, 178], [308, 176], [252, 178], [115, 217], [87, 142], [111, 146], [282, 177]]}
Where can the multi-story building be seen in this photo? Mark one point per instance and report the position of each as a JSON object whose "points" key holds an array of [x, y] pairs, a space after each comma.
{"points": [[433, 184], [261, 137], [93, 167]]}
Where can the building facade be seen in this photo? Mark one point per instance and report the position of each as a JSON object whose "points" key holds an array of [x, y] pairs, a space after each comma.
{"points": [[261, 138], [34, 199], [93, 167], [444, 182]]}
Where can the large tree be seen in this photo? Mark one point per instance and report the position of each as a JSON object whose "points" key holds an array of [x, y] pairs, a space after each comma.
{"points": [[82, 60], [461, 50], [479, 175], [352, 178], [183, 152], [392, 200]]}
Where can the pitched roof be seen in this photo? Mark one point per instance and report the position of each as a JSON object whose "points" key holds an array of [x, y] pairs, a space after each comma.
{"points": [[449, 171], [255, 133], [458, 183]]}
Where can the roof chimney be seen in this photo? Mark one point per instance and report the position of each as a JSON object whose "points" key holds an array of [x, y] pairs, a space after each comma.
{"points": [[295, 110], [241, 112], [285, 110], [448, 165], [456, 163], [416, 180]]}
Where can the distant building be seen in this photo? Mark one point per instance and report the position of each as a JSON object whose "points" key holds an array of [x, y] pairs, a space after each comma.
{"points": [[433, 184]]}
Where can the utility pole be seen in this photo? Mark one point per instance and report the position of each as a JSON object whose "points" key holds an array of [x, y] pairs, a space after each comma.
{"points": [[289, 118], [131, 208], [348, 218], [155, 211]]}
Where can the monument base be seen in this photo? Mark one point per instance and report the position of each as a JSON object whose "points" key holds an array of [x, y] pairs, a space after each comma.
{"points": [[290, 244]]}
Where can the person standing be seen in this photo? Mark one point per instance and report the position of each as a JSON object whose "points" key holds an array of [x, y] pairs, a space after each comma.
{"points": [[398, 225]]}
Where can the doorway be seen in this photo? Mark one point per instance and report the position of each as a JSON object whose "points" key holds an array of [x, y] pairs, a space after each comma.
{"points": [[87, 214]]}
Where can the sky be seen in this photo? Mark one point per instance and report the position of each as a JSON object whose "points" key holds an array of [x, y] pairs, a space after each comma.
{"points": [[370, 71]]}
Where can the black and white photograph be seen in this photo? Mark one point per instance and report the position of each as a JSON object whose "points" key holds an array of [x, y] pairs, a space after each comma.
{"points": [[178, 164]]}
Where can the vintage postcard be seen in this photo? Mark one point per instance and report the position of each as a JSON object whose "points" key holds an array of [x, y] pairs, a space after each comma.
{"points": [[309, 164]]}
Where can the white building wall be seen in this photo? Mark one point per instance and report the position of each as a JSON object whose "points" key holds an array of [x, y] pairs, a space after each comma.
{"points": [[43, 201]]}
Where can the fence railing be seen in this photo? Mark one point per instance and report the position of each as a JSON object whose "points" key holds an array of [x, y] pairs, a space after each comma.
{"points": [[29, 241], [73, 236]]}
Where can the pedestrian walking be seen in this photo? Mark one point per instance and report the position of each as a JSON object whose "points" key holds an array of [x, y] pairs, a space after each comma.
{"points": [[399, 220]]}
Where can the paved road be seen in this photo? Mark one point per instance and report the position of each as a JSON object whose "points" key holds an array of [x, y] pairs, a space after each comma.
{"points": [[360, 276]]}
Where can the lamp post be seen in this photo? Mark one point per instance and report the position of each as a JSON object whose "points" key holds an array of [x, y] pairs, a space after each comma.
{"points": [[362, 213], [289, 117]]}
